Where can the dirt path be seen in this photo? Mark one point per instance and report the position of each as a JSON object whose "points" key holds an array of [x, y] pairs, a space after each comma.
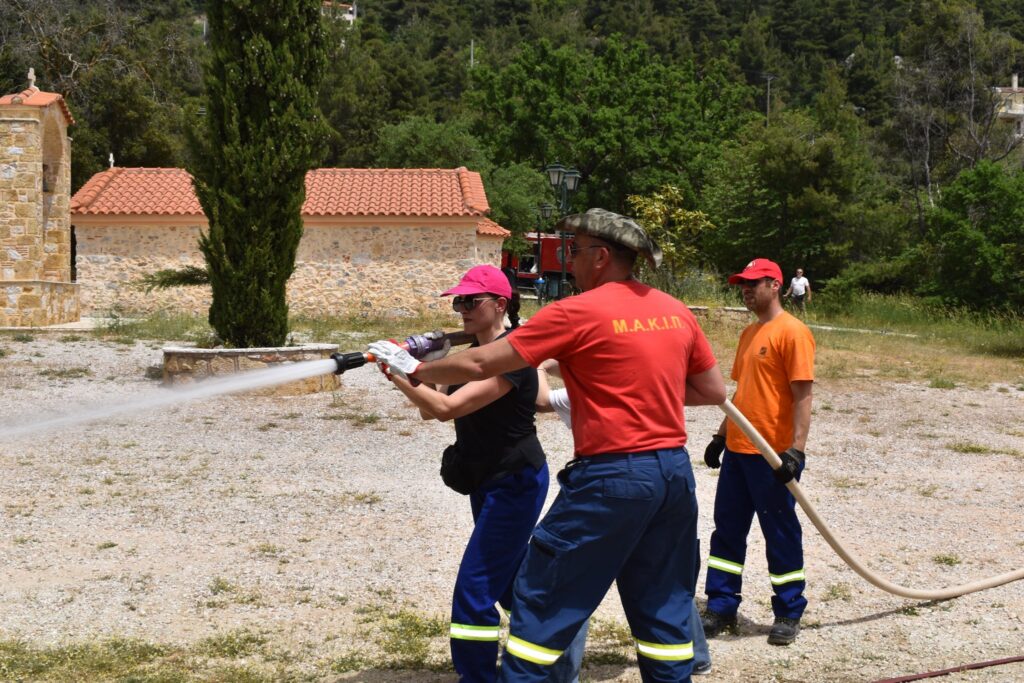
{"points": [[320, 522]]}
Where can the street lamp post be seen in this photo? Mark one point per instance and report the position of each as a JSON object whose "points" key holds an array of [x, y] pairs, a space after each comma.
{"points": [[564, 181], [544, 212]]}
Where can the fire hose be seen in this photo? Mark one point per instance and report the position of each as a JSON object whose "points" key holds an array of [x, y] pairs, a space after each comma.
{"points": [[856, 565], [418, 346]]}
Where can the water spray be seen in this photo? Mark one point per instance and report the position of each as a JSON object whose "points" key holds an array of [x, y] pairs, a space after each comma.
{"points": [[418, 346]]}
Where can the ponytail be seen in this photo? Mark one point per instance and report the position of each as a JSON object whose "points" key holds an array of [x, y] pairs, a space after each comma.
{"points": [[513, 309]]}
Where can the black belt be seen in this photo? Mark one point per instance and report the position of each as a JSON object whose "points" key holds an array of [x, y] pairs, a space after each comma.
{"points": [[613, 457]]}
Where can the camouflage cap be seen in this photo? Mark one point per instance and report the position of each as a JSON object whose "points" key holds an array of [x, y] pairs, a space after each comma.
{"points": [[612, 227]]}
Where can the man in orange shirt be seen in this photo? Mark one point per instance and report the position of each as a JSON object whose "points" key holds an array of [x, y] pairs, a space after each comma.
{"points": [[774, 373]]}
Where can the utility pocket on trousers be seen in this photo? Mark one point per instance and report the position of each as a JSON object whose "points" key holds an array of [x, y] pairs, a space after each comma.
{"points": [[538, 579], [628, 489]]}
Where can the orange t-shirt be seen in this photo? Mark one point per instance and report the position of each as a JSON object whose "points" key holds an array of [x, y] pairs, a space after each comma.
{"points": [[625, 351], [769, 356]]}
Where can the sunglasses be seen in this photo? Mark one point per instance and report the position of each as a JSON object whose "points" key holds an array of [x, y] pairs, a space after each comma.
{"points": [[574, 250], [465, 304]]}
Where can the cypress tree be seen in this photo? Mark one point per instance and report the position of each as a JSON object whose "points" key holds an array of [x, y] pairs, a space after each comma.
{"points": [[263, 133]]}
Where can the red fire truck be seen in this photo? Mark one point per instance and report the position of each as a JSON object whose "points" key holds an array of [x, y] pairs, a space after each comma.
{"points": [[544, 261]]}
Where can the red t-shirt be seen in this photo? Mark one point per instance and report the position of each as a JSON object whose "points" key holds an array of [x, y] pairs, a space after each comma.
{"points": [[769, 356], [625, 351]]}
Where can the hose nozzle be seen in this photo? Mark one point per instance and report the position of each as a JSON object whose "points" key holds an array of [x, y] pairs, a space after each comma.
{"points": [[349, 361], [418, 345]]}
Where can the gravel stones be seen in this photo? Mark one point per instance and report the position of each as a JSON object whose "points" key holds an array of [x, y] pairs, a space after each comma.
{"points": [[291, 515]]}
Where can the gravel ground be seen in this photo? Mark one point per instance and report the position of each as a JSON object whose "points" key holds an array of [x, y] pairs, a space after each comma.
{"points": [[296, 516]]}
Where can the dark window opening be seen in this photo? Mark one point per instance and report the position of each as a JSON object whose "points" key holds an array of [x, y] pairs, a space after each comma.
{"points": [[74, 255]]}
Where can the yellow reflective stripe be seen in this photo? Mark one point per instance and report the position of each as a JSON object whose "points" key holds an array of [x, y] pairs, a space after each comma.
{"points": [[530, 652], [467, 632], [779, 579], [665, 653], [725, 565]]}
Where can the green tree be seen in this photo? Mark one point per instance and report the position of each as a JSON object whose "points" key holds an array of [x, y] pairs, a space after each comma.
{"points": [[628, 121], [263, 134], [946, 112], [974, 250], [128, 71], [513, 190], [672, 226], [803, 191], [421, 142]]}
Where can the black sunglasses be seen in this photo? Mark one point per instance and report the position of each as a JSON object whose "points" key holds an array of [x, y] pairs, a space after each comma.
{"points": [[465, 304], [754, 283], [574, 250]]}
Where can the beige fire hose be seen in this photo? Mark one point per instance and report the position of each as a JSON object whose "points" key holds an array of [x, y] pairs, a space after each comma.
{"points": [[794, 487]]}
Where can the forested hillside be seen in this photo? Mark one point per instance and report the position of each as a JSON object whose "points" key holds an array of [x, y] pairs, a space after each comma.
{"points": [[878, 161]]}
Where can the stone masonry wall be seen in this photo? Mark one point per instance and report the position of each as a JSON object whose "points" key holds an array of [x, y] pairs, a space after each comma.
{"points": [[35, 233], [34, 303], [21, 193], [340, 270], [183, 365], [56, 172]]}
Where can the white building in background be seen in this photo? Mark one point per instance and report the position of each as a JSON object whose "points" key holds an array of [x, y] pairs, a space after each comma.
{"points": [[1011, 106], [342, 11]]}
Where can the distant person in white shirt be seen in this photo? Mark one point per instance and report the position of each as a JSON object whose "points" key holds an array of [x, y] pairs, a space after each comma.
{"points": [[799, 290]]}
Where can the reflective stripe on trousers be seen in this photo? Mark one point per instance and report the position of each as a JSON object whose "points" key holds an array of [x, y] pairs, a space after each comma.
{"points": [[665, 653], [467, 632], [624, 518]]}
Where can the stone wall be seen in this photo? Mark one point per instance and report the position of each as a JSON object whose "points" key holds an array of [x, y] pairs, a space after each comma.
{"points": [[35, 303], [35, 234], [185, 365], [340, 269]]}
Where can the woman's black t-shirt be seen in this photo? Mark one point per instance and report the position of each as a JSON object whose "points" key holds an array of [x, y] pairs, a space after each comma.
{"points": [[503, 432]]}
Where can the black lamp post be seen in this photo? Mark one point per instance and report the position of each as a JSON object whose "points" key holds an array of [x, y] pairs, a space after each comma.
{"points": [[564, 181]]}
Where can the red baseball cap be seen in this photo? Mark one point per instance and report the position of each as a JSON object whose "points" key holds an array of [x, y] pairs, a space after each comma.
{"points": [[480, 280], [757, 269]]}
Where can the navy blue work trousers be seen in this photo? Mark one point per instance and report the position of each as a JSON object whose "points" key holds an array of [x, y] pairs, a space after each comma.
{"points": [[505, 512], [628, 518], [746, 487]]}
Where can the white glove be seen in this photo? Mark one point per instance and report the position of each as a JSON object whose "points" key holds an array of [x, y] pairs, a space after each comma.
{"points": [[395, 357]]}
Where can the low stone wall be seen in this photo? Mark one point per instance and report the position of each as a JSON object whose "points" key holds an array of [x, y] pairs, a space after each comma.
{"points": [[33, 303], [339, 270], [186, 365]]}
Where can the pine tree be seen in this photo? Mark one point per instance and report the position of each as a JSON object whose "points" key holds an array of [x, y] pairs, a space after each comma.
{"points": [[263, 133]]}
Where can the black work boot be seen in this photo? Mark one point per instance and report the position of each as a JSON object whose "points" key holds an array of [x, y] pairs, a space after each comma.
{"points": [[715, 623], [783, 631]]}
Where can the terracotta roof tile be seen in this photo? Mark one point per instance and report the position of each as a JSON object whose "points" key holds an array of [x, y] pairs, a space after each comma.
{"points": [[138, 191], [485, 226], [394, 192], [329, 192], [34, 97]]}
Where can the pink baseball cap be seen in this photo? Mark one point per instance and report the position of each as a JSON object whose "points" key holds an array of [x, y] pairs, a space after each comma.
{"points": [[480, 280], [757, 269]]}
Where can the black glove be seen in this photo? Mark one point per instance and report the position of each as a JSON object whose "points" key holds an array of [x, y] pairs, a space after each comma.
{"points": [[792, 461], [713, 453]]}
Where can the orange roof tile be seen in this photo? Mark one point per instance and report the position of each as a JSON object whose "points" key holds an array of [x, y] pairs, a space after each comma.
{"points": [[329, 192], [394, 192], [485, 226], [138, 191], [34, 97]]}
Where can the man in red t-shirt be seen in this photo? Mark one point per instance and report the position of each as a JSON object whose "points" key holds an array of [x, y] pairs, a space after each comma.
{"points": [[774, 373], [631, 357]]}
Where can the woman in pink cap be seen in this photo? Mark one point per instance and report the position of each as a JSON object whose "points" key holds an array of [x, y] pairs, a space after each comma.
{"points": [[497, 460]]}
